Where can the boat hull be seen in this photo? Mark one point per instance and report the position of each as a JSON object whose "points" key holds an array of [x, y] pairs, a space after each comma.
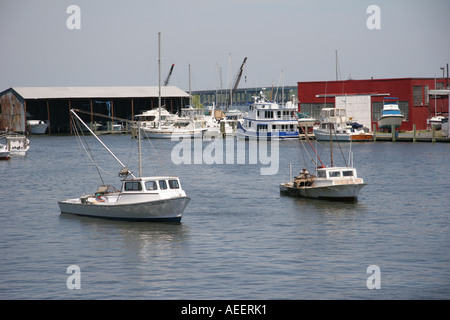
{"points": [[243, 133], [346, 192], [324, 135], [386, 122], [38, 126], [170, 210], [160, 134]]}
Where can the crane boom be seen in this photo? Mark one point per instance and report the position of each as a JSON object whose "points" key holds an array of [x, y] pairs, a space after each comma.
{"points": [[236, 81], [166, 82]]}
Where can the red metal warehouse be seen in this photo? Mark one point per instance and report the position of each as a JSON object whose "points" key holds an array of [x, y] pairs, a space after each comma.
{"points": [[366, 98]]}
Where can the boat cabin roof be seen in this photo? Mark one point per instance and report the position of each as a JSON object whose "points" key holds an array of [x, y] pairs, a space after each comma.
{"points": [[152, 178], [336, 172]]}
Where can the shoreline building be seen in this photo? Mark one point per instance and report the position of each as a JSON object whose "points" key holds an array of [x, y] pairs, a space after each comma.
{"points": [[363, 99], [53, 104]]}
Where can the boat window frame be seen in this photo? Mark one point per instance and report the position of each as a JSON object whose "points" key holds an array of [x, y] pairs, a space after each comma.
{"points": [[164, 182], [171, 181], [321, 173], [135, 186], [335, 174], [155, 185], [345, 173]]}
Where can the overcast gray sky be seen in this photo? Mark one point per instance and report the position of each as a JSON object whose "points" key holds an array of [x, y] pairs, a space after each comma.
{"points": [[117, 42]]}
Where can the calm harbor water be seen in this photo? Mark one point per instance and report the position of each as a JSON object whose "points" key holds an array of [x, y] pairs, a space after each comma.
{"points": [[239, 238]]}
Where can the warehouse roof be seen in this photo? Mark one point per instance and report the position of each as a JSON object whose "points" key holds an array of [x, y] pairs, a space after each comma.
{"points": [[97, 92]]}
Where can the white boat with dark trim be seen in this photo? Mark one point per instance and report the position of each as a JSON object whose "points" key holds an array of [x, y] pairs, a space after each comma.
{"points": [[269, 120], [17, 144], [158, 198], [332, 183], [334, 120], [390, 115], [189, 125]]}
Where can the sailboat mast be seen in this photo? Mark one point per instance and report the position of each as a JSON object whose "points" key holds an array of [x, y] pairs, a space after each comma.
{"points": [[159, 78]]}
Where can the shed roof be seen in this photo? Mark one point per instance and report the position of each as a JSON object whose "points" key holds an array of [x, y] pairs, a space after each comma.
{"points": [[97, 92]]}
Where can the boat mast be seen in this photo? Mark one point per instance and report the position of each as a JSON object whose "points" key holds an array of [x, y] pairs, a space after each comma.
{"points": [[107, 149], [159, 78], [331, 143], [139, 149]]}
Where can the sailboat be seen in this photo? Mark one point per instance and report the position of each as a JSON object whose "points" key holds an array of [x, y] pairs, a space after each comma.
{"points": [[333, 183]]}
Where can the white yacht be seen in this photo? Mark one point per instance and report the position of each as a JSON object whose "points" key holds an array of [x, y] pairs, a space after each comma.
{"points": [[269, 120], [190, 124], [151, 118], [390, 115]]}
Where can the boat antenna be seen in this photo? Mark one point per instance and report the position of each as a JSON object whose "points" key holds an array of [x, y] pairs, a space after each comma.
{"points": [[124, 170]]}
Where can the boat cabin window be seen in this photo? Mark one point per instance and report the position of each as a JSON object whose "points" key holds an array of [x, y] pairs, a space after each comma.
{"points": [[347, 173], [262, 127], [133, 186], [163, 184], [151, 185], [321, 174], [173, 184], [334, 174]]}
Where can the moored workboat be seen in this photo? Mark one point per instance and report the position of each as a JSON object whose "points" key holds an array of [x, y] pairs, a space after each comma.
{"points": [[333, 183], [141, 198], [17, 144], [156, 198]]}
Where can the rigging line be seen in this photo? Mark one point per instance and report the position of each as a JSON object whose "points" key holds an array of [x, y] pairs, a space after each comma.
{"points": [[157, 154], [342, 153], [80, 143], [88, 153], [87, 150], [307, 138]]}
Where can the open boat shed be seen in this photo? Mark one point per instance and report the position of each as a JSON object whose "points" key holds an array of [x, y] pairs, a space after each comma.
{"points": [[53, 104]]}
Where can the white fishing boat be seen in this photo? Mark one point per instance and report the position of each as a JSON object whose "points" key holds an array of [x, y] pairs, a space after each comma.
{"points": [[269, 120], [38, 126], [156, 198], [16, 144], [390, 115], [335, 120], [333, 183], [4, 152]]}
